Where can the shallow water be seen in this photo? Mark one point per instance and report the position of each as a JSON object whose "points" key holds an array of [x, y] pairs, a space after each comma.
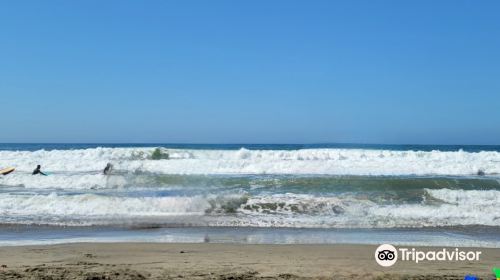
{"points": [[455, 237]]}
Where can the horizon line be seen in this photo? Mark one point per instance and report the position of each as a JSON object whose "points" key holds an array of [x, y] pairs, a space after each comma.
{"points": [[238, 143]]}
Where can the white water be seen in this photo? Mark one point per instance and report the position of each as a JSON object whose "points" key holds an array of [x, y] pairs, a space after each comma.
{"points": [[76, 193], [448, 208], [306, 161]]}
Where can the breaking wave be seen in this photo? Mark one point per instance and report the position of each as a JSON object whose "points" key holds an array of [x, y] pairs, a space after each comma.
{"points": [[305, 161], [437, 207], [311, 188]]}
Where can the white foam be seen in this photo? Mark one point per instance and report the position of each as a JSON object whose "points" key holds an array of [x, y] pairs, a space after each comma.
{"points": [[306, 161], [458, 207], [477, 198], [81, 169], [63, 181], [93, 209]]}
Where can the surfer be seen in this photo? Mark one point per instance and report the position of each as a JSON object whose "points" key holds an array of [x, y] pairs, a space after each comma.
{"points": [[38, 171], [107, 169]]}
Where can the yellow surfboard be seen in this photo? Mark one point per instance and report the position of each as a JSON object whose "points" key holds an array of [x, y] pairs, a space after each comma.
{"points": [[7, 170]]}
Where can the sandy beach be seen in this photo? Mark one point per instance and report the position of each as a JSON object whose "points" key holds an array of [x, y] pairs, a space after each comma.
{"points": [[223, 261], [239, 140]]}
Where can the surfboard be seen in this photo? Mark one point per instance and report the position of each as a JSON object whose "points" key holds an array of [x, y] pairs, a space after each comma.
{"points": [[7, 170]]}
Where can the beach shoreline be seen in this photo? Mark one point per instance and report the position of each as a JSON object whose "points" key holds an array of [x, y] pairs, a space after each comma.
{"points": [[225, 261]]}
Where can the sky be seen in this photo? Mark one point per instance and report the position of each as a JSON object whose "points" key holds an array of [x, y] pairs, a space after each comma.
{"points": [[389, 72]]}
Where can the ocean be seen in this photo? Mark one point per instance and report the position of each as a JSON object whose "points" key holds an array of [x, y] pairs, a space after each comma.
{"points": [[251, 193]]}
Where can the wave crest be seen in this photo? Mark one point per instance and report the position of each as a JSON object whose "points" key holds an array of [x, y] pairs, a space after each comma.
{"points": [[243, 161]]}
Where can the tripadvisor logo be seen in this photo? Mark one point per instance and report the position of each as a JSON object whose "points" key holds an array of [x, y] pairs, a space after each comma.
{"points": [[387, 255]]}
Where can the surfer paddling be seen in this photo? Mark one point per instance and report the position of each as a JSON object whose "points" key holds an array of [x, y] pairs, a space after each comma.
{"points": [[38, 171], [107, 169]]}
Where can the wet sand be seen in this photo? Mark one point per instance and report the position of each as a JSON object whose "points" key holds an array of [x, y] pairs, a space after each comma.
{"points": [[223, 261]]}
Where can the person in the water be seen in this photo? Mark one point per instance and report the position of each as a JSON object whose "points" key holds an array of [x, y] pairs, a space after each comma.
{"points": [[107, 169], [38, 171]]}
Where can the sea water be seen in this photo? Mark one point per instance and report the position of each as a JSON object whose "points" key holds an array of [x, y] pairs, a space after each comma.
{"points": [[252, 193]]}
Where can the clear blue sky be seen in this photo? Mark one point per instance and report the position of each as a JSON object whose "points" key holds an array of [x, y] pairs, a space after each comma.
{"points": [[250, 71]]}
